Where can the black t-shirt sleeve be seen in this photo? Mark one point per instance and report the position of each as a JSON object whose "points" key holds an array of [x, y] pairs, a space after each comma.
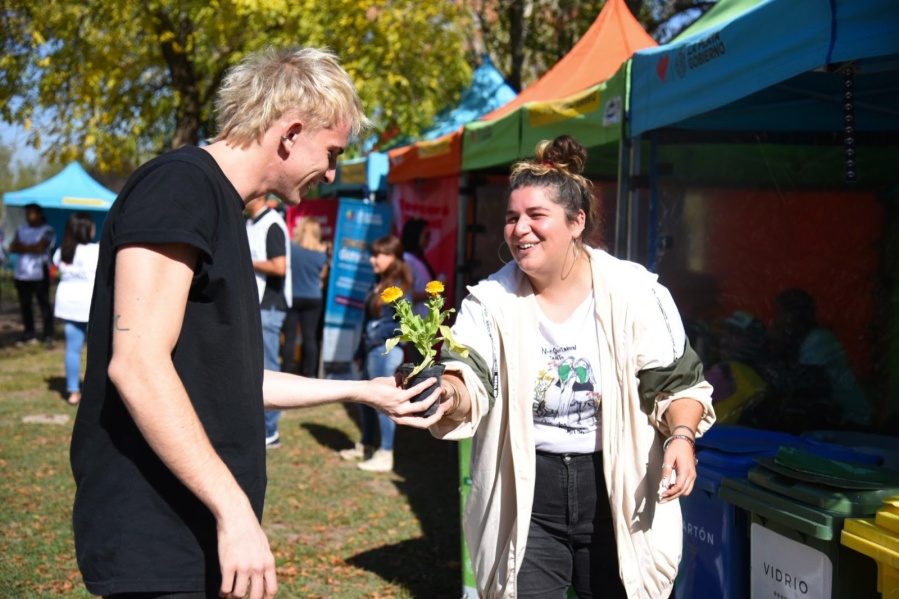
{"points": [[275, 243], [170, 204]]}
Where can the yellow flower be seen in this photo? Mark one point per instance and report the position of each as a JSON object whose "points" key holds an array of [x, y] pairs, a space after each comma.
{"points": [[434, 288], [391, 294]]}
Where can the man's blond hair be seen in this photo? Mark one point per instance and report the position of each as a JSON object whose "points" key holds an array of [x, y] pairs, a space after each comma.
{"points": [[271, 83]]}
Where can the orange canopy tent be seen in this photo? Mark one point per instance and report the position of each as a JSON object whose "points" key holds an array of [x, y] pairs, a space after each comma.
{"points": [[612, 38], [498, 138]]}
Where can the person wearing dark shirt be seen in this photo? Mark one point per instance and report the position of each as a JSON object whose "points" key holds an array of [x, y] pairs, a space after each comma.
{"points": [[168, 449], [34, 242]]}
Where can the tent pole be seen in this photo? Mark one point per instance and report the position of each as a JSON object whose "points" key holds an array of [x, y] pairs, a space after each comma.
{"points": [[633, 200], [461, 238], [624, 145]]}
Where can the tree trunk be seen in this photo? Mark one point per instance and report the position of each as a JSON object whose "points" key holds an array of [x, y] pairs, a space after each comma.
{"points": [[184, 79], [516, 43]]}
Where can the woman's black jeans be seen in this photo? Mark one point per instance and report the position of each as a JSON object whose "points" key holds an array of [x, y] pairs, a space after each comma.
{"points": [[571, 541]]}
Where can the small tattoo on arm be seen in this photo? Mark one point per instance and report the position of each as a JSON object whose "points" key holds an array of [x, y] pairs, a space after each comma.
{"points": [[116, 323]]}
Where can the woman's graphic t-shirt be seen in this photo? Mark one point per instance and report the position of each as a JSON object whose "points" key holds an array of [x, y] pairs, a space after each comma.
{"points": [[567, 392]]}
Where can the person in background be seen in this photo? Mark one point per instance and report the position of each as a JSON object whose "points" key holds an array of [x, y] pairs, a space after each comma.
{"points": [[308, 269], [168, 448], [803, 349], [379, 325], [267, 233], [34, 242], [736, 378], [416, 237], [76, 261], [584, 399]]}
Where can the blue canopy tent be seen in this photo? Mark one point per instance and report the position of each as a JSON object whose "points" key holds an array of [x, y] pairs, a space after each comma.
{"points": [[71, 190], [758, 155], [438, 152], [775, 72], [773, 67]]}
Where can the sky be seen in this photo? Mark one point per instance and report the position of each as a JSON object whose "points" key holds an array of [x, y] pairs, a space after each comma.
{"points": [[14, 137]]}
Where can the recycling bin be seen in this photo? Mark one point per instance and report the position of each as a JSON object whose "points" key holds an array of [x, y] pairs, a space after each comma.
{"points": [[878, 538], [716, 539], [797, 504]]}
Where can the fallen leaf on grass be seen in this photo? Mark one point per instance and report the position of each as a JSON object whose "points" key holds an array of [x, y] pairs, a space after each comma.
{"points": [[46, 419]]}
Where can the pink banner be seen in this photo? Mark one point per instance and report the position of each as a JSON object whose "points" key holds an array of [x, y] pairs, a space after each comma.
{"points": [[324, 211], [437, 202]]}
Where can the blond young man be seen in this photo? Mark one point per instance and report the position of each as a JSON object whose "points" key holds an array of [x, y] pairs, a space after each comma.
{"points": [[168, 448]]}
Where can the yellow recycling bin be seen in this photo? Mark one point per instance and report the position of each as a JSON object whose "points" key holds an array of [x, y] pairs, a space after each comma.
{"points": [[878, 538]]}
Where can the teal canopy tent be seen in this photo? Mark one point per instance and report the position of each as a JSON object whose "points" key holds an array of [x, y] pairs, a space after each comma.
{"points": [[71, 190]]}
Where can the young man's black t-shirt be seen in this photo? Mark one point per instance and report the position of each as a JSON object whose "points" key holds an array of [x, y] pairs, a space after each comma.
{"points": [[137, 528]]}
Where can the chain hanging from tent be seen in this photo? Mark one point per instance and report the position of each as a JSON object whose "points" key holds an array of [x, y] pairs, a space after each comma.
{"points": [[849, 155]]}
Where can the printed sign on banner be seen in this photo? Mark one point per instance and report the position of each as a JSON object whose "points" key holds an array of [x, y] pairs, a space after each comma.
{"points": [[786, 569], [437, 202], [358, 225]]}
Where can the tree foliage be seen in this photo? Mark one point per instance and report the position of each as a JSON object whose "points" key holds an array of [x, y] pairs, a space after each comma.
{"points": [[525, 38], [115, 82]]}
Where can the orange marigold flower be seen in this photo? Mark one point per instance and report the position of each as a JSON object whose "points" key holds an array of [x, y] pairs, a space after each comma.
{"points": [[434, 288], [391, 294]]}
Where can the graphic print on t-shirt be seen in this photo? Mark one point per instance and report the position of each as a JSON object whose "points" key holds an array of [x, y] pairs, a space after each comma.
{"points": [[566, 394]]}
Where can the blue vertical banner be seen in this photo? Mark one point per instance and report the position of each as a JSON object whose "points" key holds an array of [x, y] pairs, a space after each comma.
{"points": [[359, 223]]}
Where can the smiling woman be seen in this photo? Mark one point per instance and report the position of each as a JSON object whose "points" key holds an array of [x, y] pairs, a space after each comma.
{"points": [[568, 346]]}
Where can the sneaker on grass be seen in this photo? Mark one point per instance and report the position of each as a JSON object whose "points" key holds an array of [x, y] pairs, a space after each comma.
{"points": [[380, 461], [358, 453]]}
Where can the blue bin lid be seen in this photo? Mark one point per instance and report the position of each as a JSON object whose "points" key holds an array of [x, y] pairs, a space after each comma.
{"points": [[734, 439]]}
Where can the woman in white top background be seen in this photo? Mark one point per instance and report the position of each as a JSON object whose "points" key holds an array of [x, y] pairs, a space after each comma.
{"points": [[76, 260]]}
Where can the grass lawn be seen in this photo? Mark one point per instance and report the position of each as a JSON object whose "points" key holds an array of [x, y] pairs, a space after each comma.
{"points": [[336, 531]]}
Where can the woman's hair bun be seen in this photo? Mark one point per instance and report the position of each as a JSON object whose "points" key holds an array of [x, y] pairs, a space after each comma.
{"points": [[565, 151]]}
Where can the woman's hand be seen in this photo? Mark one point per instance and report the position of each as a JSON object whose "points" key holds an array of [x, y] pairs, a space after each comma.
{"points": [[678, 470], [386, 394]]}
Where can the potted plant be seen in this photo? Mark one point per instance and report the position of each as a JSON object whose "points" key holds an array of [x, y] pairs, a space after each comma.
{"points": [[425, 334]]}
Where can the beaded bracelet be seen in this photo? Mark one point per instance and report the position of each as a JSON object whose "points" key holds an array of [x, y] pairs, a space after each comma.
{"points": [[684, 437], [692, 432]]}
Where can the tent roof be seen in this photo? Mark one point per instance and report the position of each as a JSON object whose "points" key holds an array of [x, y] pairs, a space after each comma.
{"points": [[612, 38], [71, 188], [487, 91], [721, 12], [436, 155], [776, 64]]}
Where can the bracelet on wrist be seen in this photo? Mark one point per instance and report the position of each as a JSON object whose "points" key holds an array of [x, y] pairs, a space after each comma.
{"points": [[686, 438], [692, 432]]}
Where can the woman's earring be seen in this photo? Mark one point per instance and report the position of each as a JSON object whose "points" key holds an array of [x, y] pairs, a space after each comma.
{"points": [[499, 252], [577, 249]]}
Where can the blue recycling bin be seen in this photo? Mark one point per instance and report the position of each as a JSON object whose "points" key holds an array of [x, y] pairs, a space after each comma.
{"points": [[716, 548], [716, 545]]}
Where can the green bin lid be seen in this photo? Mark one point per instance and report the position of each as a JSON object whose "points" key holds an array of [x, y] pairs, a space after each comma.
{"points": [[773, 506], [832, 471], [842, 502]]}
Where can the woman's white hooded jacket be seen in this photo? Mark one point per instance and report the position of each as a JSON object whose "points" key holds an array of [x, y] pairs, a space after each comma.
{"points": [[639, 328]]}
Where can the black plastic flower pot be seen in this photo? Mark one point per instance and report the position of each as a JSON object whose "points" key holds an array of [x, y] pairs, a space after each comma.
{"points": [[434, 370]]}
